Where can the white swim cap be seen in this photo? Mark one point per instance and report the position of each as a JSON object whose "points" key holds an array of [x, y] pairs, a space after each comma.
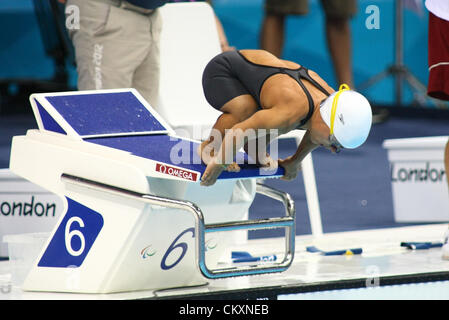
{"points": [[348, 115]]}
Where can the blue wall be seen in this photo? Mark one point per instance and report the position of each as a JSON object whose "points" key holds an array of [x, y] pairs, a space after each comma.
{"points": [[22, 53]]}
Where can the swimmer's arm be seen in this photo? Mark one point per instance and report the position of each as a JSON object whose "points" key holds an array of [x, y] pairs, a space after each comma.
{"points": [[305, 147], [292, 164]]}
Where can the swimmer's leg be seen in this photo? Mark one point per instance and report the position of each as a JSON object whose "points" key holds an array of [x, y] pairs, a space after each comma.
{"points": [[234, 111]]}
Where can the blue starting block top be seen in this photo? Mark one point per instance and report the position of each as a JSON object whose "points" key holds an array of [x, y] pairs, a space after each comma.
{"points": [[121, 119], [178, 152], [97, 114]]}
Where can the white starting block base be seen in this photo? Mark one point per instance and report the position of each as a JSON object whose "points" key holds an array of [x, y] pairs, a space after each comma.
{"points": [[384, 270], [418, 179], [130, 205]]}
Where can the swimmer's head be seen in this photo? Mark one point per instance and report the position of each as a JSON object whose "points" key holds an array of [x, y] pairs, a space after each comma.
{"points": [[348, 115]]}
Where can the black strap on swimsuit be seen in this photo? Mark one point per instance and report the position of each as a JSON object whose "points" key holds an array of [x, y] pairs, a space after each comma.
{"points": [[254, 83], [303, 73]]}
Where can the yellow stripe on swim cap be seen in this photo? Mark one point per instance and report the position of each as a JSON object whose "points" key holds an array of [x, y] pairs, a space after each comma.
{"points": [[343, 87]]}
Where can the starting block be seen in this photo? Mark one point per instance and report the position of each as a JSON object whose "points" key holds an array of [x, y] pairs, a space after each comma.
{"points": [[135, 216]]}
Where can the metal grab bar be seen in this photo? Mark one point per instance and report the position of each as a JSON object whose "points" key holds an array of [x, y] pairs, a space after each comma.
{"points": [[287, 222]]}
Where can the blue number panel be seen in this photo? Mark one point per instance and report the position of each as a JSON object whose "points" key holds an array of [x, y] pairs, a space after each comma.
{"points": [[74, 237]]}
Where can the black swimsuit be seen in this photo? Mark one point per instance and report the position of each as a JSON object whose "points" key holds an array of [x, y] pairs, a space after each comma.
{"points": [[230, 75]]}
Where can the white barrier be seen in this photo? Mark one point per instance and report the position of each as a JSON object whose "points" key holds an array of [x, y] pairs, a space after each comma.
{"points": [[25, 207], [418, 179]]}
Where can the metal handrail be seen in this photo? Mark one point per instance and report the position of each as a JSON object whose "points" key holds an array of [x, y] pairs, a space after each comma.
{"points": [[287, 222]]}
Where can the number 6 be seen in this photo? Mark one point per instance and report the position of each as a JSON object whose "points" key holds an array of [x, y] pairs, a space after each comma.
{"points": [[173, 246], [74, 233]]}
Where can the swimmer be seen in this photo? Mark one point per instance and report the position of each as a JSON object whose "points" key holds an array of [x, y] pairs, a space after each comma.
{"points": [[257, 91]]}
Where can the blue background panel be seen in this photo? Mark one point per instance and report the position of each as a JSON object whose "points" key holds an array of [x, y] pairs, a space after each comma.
{"points": [[174, 151], [373, 50], [105, 113], [23, 55]]}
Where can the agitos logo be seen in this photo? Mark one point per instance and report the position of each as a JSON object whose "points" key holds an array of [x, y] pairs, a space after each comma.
{"points": [[176, 172], [147, 252]]}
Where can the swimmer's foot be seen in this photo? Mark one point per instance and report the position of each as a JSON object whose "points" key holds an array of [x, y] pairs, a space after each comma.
{"points": [[206, 152], [210, 175], [268, 163], [233, 167]]}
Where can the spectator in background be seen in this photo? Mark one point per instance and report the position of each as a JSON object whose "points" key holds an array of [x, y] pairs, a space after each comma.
{"points": [[446, 169], [438, 61], [117, 45], [438, 58], [338, 31]]}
